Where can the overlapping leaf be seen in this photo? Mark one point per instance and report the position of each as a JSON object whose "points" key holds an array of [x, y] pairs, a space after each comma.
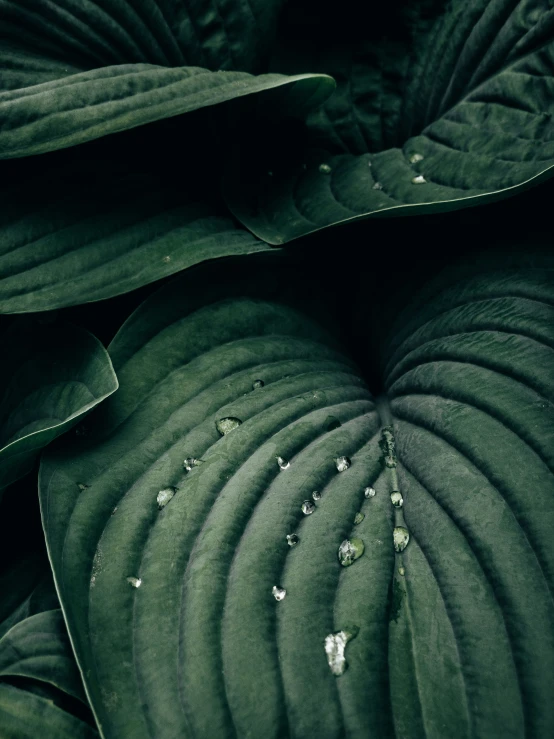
{"points": [[50, 379], [41, 691], [439, 106], [73, 72], [106, 222], [170, 603]]}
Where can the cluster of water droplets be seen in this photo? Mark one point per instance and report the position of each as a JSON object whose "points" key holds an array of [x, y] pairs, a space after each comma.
{"points": [[400, 534], [418, 179]]}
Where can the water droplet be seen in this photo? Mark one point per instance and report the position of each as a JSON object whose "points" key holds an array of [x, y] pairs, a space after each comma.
{"points": [[369, 492], [114, 510], [396, 499], [278, 593], [358, 518], [307, 507], [82, 486], [390, 461], [342, 463], [228, 424], [135, 582], [401, 571], [191, 462], [164, 496], [377, 186], [415, 158], [316, 495], [292, 540], [283, 464], [418, 180], [325, 169], [257, 384], [350, 550], [400, 538], [166, 260], [335, 644]]}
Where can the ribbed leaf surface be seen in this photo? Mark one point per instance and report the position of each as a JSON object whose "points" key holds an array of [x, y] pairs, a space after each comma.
{"points": [[170, 603], [97, 226], [76, 71], [439, 105]]}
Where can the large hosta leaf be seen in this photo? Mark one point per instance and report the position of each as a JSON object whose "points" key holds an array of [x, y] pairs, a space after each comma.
{"points": [[106, 221], [166, 575], [51, 375], [72, 72], [439, 105]]}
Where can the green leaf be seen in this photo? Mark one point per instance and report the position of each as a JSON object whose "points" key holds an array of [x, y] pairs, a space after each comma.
{"points": [[439, 106], [169, 600], [40, 686], [73, 73], [107, 222], [88, 105], [52, 375], [39, 648], [27, 589], [41, 690]]}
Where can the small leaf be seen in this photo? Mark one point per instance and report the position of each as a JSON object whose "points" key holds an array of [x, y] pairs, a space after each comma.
{"points": [[41, 690], [52, 375], [439, 106]]}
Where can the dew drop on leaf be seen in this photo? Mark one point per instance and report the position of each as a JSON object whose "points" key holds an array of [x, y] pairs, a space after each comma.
{"points": [[396, 499], [418, 180], [400, 538], [325, 168], [278, 593], [164, 496], [283, 464], [349, 551], [308, 507], [135, 582], [292, 540], [342, 463], [335, 644], [316, 495], [227, 424], [377, 186], [369, 492], [257, 384], [415, 158], [358, 518], [191, 462]]}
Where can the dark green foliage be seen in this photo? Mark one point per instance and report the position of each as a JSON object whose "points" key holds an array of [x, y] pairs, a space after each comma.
{"points": [[465, 87], [294, 493], [49, 379], [471, 389]]}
